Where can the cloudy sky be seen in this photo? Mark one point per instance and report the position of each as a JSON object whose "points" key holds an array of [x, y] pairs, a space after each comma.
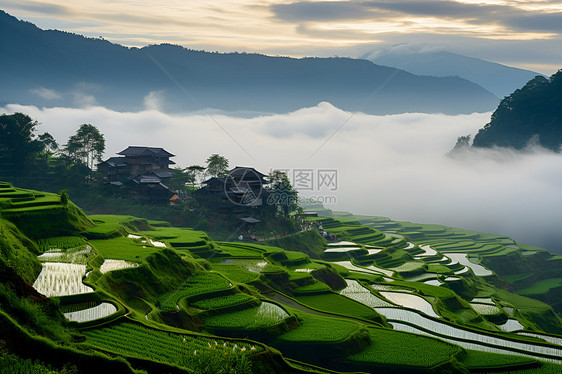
{"points": [[521, 33]]}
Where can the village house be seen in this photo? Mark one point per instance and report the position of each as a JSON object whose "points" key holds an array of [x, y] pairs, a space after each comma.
{"points": [[145, 171], [241, 191]]}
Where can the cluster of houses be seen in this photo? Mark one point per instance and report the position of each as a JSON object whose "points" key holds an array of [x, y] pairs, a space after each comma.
{"points": [[145, 172]]}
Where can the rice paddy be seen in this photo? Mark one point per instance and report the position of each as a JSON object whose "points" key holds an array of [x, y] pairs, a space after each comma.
{"points": [[462, 258], [90, 314], [432, 327], [111, 265], [61, 279], [511, 325], [410, 301], [359, 293], [267, 314], [485, 309]]}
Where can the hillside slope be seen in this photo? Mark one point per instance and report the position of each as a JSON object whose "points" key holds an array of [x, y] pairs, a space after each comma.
{"points": [[54, 68], [530, 115]]}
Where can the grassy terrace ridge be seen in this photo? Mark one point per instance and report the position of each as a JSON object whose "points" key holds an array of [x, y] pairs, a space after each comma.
{"points": [[177, 292]]}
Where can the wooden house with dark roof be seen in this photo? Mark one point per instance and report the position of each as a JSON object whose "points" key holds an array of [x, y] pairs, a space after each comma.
{"points": [[145, 171], [242, 189]]}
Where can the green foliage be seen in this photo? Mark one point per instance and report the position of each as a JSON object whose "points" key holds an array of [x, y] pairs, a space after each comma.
{"points": [[18, 252], [197, 353], [12, 364], [17, 142], [309, 242], [86, 146], [42, 318], [64, 197], [217, 166]]}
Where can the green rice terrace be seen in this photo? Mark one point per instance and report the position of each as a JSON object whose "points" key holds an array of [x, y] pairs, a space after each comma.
{"points": [[124, 294]]}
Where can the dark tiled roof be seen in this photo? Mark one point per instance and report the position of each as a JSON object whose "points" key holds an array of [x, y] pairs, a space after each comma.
{"points": [[246, 172], [145, 151], [162, 174], [115, 162]]}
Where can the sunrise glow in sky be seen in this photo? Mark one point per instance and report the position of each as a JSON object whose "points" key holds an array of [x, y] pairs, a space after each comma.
{"points": [[521, 33]]}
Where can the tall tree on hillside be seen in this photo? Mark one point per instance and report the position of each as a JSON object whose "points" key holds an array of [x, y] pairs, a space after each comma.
{"points": [[48, 145], [18, 144], [282, 194], [217, 166], [86, 146]]}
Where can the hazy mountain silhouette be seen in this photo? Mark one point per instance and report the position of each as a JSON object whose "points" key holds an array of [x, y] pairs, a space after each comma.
{"points": [[55, 68], [530, 115], [499, 79]]}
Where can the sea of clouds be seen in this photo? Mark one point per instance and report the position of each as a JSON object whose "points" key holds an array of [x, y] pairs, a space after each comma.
{"points": [[396, 165]]}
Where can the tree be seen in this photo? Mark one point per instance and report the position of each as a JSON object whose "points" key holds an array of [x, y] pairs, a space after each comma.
{"points": [[86, 146], [197, 171], [48, 145], [217, 166], [18, 144], [282, 194], [180, 180]]}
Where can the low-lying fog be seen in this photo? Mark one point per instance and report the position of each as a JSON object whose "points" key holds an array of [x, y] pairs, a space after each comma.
{"points": [[395, 166]]}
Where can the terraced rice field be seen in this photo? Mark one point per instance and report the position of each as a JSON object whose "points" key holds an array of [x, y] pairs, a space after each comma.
{"points": [[404, 349], [463, 259], [61, 279], [511, 325], [111, 265], [464, 344], [255, 266], [157, 243], [428, 251], [410, 301], [483, 300], [77, 255], [91, 314], [316, 329], [357, 292], [267, 314], [480, 342], [545, 337], [188, 351], [485, 309], [433, 282], [408, 266]]}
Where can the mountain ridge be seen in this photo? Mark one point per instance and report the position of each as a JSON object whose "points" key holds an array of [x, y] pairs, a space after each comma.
{"points": [[531, 115], [497, 78], [54, 68]]}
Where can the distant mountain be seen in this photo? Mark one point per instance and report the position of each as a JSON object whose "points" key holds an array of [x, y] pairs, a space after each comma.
{"points": [[499, 79], [54, 68], [530, 115]]}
